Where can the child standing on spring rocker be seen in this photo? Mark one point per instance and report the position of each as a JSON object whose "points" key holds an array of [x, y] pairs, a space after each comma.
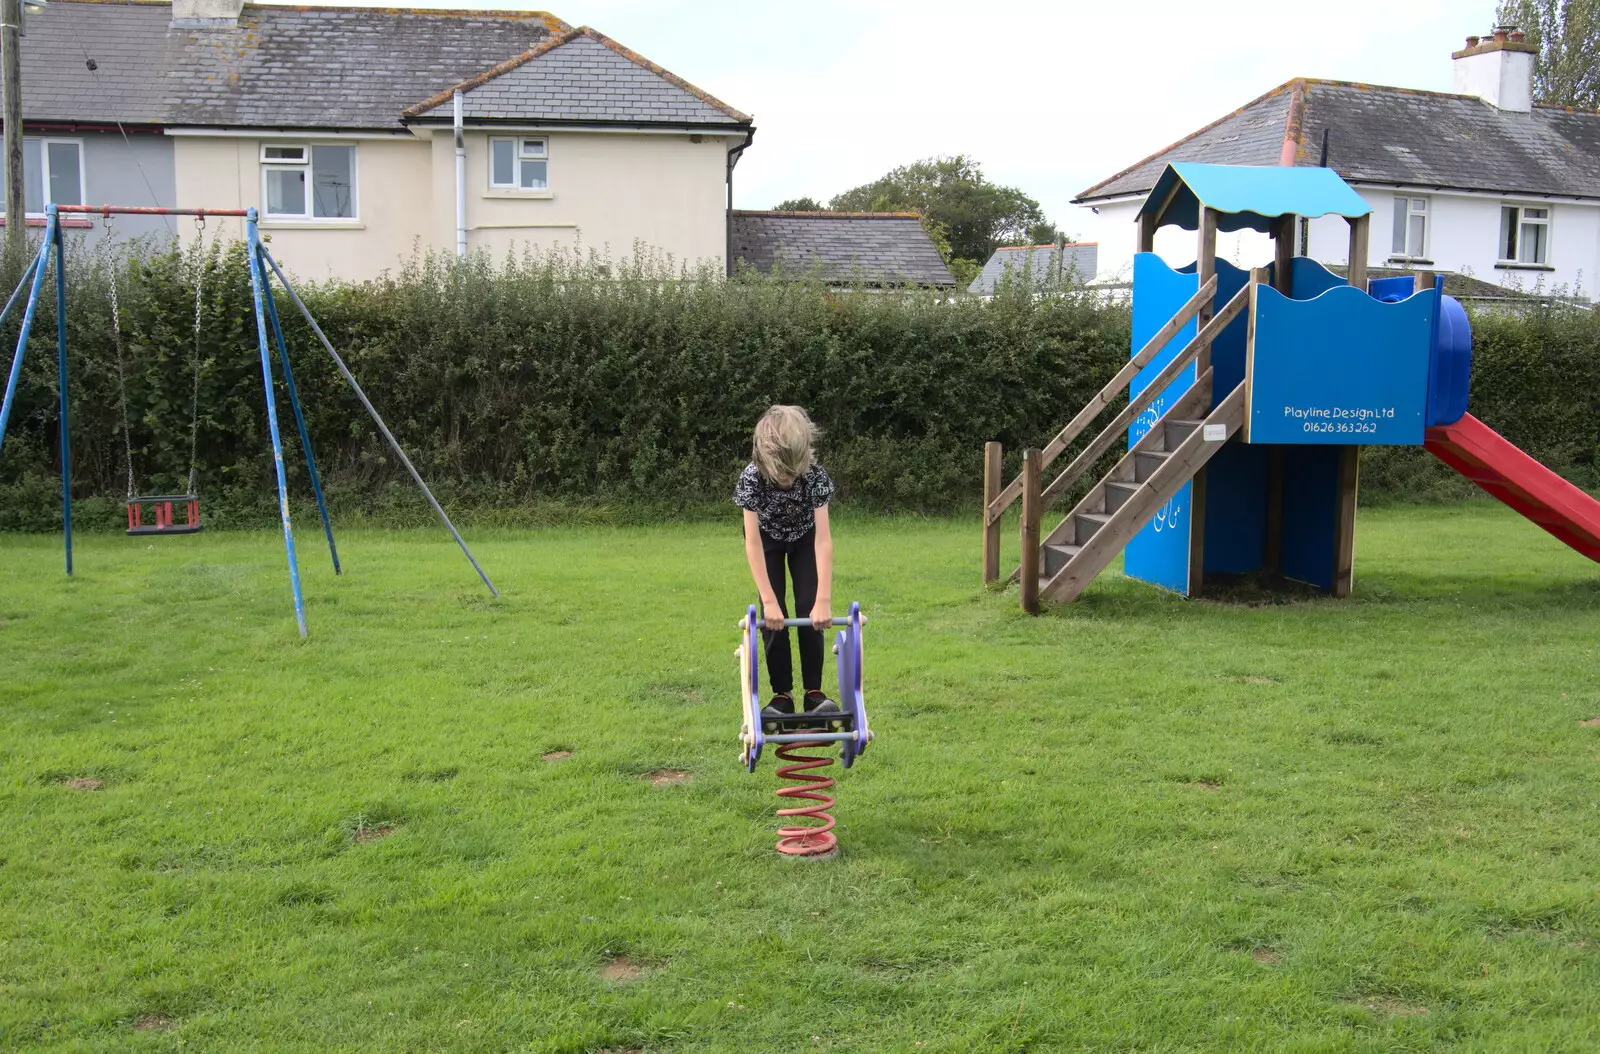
{"points": [[784, 494]]}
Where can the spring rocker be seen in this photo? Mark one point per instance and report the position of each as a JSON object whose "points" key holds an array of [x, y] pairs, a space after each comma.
{"points": [[1246, 401], [792, 733]]}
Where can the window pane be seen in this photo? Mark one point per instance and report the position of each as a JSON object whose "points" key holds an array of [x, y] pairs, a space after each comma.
{"points": [[66, 186], [502, 155], [333, 189], [533, 175], [1419, 226], [1419, 204], [1508, 233], [286, 192], [533, 148], [1398, 246], [1536, 214], [1533, 242], [284, 153], [33, 175]]}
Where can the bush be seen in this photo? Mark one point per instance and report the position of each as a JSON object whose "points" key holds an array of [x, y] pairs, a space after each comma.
{"points": [[536, 388]]}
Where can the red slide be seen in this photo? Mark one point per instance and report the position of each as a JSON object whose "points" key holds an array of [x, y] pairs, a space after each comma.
{"points": [[1487, 458]]}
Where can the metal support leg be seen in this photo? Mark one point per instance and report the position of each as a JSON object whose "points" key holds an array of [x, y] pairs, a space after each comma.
{"points": [[257, 286], [394, 444], [299, 415], [36, 272], [61, 383]]}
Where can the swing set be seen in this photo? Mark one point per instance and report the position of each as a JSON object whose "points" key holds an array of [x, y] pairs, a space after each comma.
{"points": [[262, 267]]}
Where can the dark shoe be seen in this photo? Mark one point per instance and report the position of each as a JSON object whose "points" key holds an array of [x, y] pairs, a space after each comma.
{"points": [[781, 706], [819, 703]]}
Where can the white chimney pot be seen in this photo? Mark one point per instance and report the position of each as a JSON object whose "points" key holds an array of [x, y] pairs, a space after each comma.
{"points": [[1498, 70], [206, 14]]}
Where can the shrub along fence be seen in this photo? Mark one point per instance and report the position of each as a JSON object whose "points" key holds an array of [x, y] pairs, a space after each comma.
{"points": [[531, 388]]}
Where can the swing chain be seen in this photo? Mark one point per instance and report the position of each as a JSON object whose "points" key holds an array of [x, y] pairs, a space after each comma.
{"points": [[199, 306], [112, 277]]}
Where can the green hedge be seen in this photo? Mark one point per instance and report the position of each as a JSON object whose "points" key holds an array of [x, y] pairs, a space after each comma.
{"points": [[531, 388]]}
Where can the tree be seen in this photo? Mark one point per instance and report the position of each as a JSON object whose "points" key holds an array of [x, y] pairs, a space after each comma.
{"points": [[967, 216], [1566, 71], [799, 205]]}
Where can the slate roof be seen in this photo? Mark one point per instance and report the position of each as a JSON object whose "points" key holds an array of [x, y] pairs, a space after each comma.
{"points": [[1078, 262], [332, 67], [582, 75], [879, 248], [1392, 136]]}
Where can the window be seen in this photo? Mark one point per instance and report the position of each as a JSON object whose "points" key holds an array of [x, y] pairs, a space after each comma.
{"points": [[519, 164], [1524, 234], [1410, 228], [301, 182], [52, 173]]}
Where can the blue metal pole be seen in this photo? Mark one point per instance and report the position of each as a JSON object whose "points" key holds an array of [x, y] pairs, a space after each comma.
{"points": [[257, 283], [299, 415], [16, 294], [22, 340], [54, 224], [394, 444]]}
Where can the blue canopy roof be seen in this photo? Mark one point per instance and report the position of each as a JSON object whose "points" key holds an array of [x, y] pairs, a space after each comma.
{"points": [[1250, 195]]}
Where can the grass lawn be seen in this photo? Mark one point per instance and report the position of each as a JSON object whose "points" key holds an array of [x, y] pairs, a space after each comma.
{"points": [[1135, 823]]}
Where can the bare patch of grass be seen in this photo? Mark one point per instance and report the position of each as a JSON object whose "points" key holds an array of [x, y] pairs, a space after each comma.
{"points": [[1390, 1006], [667, 777], [83, 783], [154, 1023], [556, 755], [1593, 722], [365, 834], [1266, 956], [623, 969]]}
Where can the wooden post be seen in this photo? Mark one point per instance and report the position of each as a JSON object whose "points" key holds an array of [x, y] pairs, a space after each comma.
{"points": [[11, 59], [1360, 230], [1205, 269], [1147, 231], [1029, 575], [1345, 540], [992, 470], [1283, 254]]}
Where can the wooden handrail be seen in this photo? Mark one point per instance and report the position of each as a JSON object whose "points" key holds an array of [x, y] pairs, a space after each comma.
{"points": [[1137, 405], [1103, 398]]}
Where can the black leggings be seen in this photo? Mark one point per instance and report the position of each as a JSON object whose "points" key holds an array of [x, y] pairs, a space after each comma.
{"points": [[802, 560]]}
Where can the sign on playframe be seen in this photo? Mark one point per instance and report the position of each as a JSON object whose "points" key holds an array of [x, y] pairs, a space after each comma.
{"points": [[1341, 368]]}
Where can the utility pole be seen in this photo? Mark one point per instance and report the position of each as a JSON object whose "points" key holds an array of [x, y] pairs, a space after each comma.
{"points": [[11, 60]]}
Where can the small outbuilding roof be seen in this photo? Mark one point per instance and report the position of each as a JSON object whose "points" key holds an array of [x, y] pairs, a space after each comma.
{"points": [[1074, 263], [875, 248], [1249, 196]]}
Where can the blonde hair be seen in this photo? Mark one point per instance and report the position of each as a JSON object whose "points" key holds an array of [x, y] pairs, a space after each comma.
{"points": [[781, 448]]}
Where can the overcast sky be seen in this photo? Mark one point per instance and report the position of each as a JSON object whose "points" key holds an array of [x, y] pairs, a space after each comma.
{"points": [[1050, 96]]}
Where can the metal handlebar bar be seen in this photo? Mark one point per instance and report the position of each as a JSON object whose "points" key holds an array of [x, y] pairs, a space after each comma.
{"points": [[806, 622]]}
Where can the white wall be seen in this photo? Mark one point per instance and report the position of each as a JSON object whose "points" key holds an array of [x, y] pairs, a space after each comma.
{"points": [[1463, 236], [607, 191]]}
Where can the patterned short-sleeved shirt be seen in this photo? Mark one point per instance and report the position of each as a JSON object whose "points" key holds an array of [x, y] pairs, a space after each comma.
{"points": [[785, 513]]}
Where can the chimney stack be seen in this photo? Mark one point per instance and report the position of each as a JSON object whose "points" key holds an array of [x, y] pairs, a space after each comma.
{"points": [[1498, 69], [206, 14]]}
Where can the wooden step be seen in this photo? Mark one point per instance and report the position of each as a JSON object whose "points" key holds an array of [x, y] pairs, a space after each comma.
{"points": [[1145, 463], [1176, 432], [1086, 523], [1118, 492], [1056, 557]]}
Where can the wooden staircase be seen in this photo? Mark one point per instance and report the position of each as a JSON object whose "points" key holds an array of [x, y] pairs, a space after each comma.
{"points": [[1058, 566]]}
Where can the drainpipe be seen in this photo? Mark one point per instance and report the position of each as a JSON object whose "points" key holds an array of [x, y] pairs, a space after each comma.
{"points": [[461, 182], [733, 159]]}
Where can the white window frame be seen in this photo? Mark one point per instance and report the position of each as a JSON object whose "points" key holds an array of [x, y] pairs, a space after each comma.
{"points": [[268, 165], [44, 172], [1521, 209], [1409, 203], [519, 155]]}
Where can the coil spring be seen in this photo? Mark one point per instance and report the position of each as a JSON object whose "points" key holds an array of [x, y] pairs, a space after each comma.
{"points": [[806, 841]]}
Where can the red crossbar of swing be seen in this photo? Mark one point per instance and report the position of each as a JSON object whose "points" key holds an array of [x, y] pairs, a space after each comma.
{"points": [[147, 210]]}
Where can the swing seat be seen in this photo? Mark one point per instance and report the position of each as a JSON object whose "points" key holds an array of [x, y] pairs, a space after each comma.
{"points": [[161, 505]]}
